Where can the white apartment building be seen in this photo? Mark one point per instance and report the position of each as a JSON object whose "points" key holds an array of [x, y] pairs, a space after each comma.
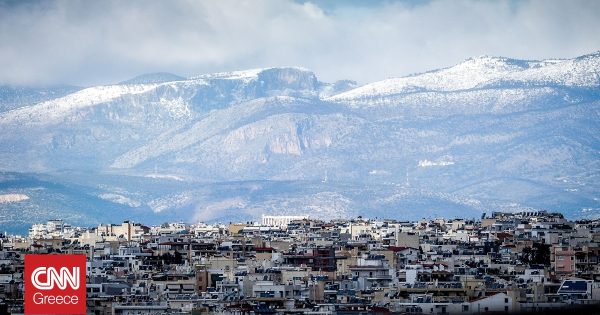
{"points": [[281, 221]]}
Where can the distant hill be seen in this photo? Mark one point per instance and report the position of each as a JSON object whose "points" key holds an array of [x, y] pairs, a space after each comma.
{"points": [[158, 77]]}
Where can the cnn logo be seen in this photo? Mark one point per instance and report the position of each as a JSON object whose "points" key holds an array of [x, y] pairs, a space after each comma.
{"points": [[55, 278], [55, 284]]}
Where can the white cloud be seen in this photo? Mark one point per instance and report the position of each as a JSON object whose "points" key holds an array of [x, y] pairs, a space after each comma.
{"points": [[94, 42]]}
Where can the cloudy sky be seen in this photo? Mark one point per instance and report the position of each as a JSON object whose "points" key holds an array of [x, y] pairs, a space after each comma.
{"points": [[99, 42]]}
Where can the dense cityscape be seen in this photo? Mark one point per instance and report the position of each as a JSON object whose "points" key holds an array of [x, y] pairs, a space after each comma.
{"points": [[503, 263], [320, 157]]}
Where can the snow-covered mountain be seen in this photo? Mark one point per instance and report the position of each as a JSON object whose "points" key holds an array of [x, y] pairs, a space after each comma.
{"points": [[486, 72], [487, 134], [484, 85]]}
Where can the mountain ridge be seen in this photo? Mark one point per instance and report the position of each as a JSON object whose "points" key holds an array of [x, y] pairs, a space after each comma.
{"points": [[428, 81]]}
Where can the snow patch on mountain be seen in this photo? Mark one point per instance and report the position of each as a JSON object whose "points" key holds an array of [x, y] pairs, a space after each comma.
{"points": [[164, 176], [172, 201], [484, 138], [9, 198], [120, 199], [177, 107], [379, 172], [443, 161]]}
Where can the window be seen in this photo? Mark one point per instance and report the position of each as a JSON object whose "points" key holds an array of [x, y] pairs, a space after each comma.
{"points": [[505, 300], [506, 308], [486, 309], [465, 308]]}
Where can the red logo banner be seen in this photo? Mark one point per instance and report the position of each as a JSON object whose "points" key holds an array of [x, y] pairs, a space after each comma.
{"points": [[55, 284]]}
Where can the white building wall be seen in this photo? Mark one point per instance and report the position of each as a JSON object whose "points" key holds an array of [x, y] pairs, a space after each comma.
{"points": [[500, 302], [281, 221]]}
